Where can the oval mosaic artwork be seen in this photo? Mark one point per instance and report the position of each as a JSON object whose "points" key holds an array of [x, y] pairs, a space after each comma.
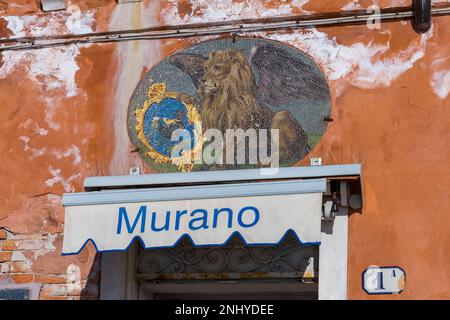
{"points": [[223, 87]]}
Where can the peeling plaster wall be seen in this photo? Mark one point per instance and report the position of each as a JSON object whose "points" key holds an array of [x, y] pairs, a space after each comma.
{"points": [[135, 57], [63, 117], [52, 101]]}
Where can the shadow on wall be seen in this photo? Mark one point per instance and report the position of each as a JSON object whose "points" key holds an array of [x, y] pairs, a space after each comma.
{"points": [[91, 290]]}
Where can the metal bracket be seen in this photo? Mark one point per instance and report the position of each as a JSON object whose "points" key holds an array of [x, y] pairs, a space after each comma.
{"points": [[329, 209], [53, 5], [316, 161], [343, 193], [135, 171]]}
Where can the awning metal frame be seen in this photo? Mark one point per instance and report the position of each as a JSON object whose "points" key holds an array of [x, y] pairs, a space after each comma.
{"points": [[224, 176], [194, 192], [207, 185]]}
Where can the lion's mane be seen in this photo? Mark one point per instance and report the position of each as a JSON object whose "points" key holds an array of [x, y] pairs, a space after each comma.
{"points": [[228, 102], [233, 104]]}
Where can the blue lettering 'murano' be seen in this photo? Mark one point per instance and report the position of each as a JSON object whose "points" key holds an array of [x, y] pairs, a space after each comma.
{"points": [[195, 220], [124, 216]]}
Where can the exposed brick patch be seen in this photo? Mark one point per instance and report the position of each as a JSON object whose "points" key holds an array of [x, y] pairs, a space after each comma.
{"points": [[56, 291], [29, 237], [4, 267], [19, 267], [3, 234], [34, 244], [19, 254], [74, 292], [5, 256], [50, 279], [43, 297], [53, 290], [4, 278], [22, 278], [8, 245]]}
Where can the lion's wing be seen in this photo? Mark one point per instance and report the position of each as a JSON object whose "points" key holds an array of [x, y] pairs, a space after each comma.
{"points": [[284, 78], [192, 64]]}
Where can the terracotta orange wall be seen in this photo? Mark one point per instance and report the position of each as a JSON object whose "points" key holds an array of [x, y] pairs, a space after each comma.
{"points": [[63, 114]]}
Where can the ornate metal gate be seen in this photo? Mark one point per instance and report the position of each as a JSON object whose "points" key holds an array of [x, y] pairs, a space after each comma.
{"points": [[234, 261]]}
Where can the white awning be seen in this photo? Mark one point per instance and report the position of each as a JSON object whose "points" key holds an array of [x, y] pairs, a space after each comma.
{"points": [[208, 207], [261, 213]]}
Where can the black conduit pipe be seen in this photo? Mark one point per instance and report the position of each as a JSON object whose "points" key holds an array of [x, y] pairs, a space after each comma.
{"points": [[422, 15]]}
